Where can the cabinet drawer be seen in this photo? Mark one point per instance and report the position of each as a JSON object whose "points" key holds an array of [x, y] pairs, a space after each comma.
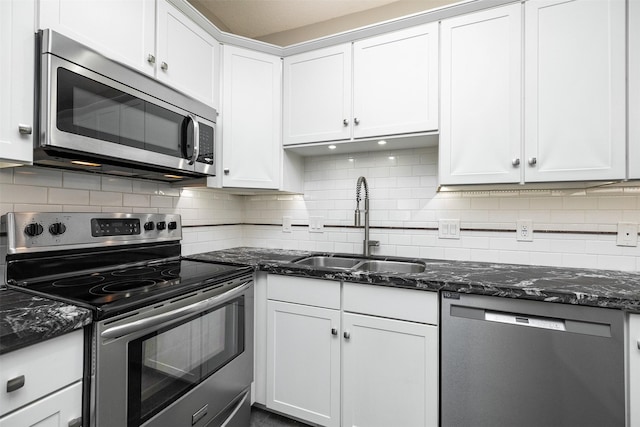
{"points": [[302, 290], [46, 367], [57, 409], [394, 303]]}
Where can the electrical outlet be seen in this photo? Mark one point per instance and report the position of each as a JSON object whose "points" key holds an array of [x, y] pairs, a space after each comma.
{"points": [[449, 229], [286, 224], [524, 230], [316, 224], [627, 234]]}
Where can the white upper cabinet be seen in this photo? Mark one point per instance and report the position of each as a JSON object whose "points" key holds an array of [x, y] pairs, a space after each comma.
{"points": [[251, 119], [120, 29], [317, 95], [395, 82], [187, 55], [634, 90], [17, 20], [395, 88], [574, 90], [570, 92], [481, 96], [155, 38]]}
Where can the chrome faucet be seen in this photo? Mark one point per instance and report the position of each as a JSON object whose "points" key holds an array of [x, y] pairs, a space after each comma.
{"points": [[367, 244]]}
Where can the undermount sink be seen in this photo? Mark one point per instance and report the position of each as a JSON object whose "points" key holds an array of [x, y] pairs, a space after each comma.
{"points": [[391, 266], [360, 264], [329, 261]]}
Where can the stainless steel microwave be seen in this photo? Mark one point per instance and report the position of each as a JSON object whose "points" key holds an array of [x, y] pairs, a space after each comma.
{"points": [[99, 115]]}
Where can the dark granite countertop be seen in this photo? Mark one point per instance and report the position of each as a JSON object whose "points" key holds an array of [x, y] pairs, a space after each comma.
{"points": [[27, 319], [599, 288]]}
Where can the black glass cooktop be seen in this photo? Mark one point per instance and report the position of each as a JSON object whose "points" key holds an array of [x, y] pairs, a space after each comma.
{"points": [[117, 290]]}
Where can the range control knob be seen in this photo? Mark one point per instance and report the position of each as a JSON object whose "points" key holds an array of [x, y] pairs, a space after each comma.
{"points": [[57, 228], [33, 229], [161, 225], [148, 226], [172, 225]]}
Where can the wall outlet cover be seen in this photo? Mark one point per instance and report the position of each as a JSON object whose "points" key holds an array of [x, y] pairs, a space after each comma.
{"points": [[316, 224], [524, 230], [449, 229], [286, 224], [627, 234]]}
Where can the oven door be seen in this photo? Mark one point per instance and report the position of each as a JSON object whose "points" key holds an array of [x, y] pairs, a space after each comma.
{"points": [[180, 364]]}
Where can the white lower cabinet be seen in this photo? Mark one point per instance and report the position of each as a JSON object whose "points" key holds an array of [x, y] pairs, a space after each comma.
{"points": [[351, 354], [42, 383], [633, 345]]}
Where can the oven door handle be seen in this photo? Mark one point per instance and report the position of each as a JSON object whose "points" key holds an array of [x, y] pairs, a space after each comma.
{"points": [[170, 316]]}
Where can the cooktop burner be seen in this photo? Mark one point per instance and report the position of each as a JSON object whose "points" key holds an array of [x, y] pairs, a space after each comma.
{"points": [[116, 290]]}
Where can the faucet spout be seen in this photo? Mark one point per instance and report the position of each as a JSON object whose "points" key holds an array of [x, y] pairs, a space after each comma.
{"points": [[367, 243]]}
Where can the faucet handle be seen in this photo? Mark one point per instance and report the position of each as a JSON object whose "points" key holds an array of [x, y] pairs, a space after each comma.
{"points": [[356, 221]]}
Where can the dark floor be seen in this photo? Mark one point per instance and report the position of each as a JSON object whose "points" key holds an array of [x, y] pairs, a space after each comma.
{"points": [[262, 418]]}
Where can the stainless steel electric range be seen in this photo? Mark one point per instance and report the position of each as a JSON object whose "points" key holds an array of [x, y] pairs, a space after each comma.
{"points": [[172, 339]]}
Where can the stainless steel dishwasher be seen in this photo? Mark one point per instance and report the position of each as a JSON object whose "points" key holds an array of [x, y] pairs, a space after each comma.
{"points": [[517, 363]]}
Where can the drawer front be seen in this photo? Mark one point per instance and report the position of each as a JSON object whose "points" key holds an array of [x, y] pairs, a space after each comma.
{"points": [[303, 290], [394, 303], [46, 367], [58, 409]]}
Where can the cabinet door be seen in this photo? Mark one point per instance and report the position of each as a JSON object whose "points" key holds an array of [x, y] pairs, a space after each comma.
{"points": [[187, 55], [633, 404], [481, 124], [303, 362], [54, 410], [251, 119], [17, 19], [574, 90], [317, 95], [121, 29], [395, 82], [390, 373], [634, 89]]}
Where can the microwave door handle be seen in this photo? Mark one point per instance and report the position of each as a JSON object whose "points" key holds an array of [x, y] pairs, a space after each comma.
{"points": [[200, 306], [196, 139]]}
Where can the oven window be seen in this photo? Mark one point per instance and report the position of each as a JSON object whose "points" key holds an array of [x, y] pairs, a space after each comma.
{"points": [[168, 363], [89, 108]]}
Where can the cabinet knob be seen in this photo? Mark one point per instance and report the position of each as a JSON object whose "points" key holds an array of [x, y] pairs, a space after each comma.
{"points": [[25, 129], [345, 122], [226, 171], [334, 331], [356, 121], [77, 422], [164, 66], [347, 335], [151, 59], [532, 161], [515, 162]]}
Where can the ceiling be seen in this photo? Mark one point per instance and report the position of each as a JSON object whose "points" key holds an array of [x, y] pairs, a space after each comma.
{"points": [[286, 22]]}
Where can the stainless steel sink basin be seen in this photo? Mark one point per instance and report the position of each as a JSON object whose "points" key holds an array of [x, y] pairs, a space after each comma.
{"points": [[329, 261], [363, 264], [390, 266]]}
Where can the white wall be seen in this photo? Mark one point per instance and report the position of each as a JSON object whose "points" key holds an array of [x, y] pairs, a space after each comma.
{"points": [[579, 225]]}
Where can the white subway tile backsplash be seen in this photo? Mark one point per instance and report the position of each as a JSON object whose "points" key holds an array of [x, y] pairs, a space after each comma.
{"points": [[43, 177], [105, 198], [111, 183], [65, 196], [136, 200], [81, 181], [23, 193]]}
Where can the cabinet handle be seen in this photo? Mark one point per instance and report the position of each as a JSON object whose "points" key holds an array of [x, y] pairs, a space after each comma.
{"points": [[532, 161], [76, 422], [226, 171], [638, 344], [334, 331], [15, 383], [151, 59], [345, 122], [164, 66], [515, 162], [347, 335], [356, 121], [25, 129]]}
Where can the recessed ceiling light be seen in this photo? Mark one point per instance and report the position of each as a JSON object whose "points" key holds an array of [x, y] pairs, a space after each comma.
{"points": [[382, 142], [81, 163], [332, 147]]}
